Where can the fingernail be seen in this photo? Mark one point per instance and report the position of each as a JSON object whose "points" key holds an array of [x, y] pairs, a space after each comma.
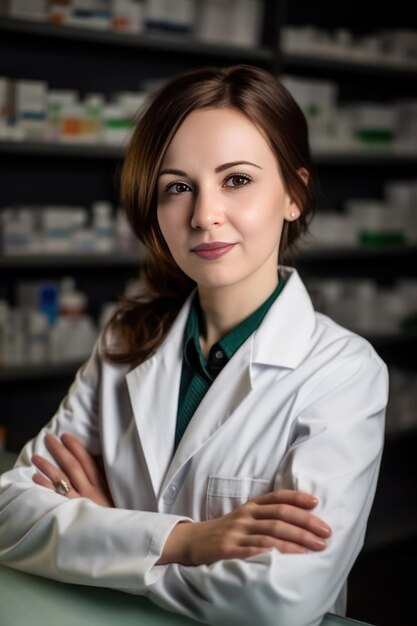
{"points": [[319, 543]]}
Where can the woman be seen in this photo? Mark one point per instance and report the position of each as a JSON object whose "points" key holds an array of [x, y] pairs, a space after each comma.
{"points": [[239, 431]]}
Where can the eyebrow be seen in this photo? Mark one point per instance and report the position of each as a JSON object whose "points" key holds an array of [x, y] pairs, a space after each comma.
{"points": [[218, 169]]}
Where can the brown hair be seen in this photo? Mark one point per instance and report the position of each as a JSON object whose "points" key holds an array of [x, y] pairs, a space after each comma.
{"points": [[140, 324]]}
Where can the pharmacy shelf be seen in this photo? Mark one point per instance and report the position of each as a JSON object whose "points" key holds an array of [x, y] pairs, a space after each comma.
{"points": [[57, 370], [45, 148], [382, 68], [189, 45], [389, 157], [42, 371], [120, 259], [75, 260], [337, 158], [184, 44], [384, 253]]}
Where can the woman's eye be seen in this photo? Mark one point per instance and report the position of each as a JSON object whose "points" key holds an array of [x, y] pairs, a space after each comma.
{"points": [[177, 188], [237, 180]]}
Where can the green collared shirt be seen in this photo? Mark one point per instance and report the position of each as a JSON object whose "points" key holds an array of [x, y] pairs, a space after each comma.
{"points": [[198, 373]]}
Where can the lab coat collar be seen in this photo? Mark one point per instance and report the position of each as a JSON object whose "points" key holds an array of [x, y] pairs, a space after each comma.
{"points": [[282, 339]]}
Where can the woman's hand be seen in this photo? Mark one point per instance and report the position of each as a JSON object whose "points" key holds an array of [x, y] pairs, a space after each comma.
{"points": [[76, 467], [279, 519]]}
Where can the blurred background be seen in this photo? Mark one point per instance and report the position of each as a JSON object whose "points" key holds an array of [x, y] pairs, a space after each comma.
{"points": [[73, 73]]}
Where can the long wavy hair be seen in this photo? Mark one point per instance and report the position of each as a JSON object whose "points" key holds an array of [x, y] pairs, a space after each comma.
{"points": [[141, 323]]}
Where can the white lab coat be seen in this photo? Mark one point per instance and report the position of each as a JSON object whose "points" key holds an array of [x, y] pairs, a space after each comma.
{"points": [[300, 405]]}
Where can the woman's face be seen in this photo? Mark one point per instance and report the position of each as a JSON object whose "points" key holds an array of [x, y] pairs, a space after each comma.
{"points": [[222, 202]]}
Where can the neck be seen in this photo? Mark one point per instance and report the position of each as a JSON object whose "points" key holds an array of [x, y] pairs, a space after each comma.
{"points": [[225, 307]]}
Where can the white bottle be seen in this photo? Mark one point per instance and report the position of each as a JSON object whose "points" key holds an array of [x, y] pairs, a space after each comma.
{"points": [[83, 336], [73, 336], [103, 226], [37, 338], [125, 237], [15, 339], [93, 111]]}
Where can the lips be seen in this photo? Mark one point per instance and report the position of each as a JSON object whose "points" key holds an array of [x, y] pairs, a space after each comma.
{"points": [[212, 246], [213, 250]]}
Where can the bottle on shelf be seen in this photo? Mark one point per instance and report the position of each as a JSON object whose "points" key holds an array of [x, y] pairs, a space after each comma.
{"points": [[103, 226], [12, 332], [73, 335], [37, 338]]}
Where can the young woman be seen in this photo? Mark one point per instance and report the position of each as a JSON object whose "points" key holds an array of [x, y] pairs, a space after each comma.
{"points": [[239, 432]]}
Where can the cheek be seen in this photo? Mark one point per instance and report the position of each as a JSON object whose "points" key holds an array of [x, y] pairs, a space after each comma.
{"points": [[264, 216], [172, 230], [174, 213]]}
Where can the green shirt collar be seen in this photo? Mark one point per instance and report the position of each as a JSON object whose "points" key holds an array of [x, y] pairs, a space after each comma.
{"points": [[229, 343]]}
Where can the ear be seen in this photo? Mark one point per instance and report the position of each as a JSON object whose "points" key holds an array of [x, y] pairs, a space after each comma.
{"points": [[293, 211]]}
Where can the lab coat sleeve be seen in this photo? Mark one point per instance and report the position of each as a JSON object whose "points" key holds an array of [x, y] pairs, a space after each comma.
{"points": [[335, 453], [75, 540]]}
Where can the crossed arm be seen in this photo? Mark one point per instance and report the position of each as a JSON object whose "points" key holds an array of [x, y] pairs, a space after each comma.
{"points": [[280, 519]]}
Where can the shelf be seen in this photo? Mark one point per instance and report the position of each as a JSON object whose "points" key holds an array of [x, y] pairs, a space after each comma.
{"points": [[110, 259], [119, 259], [45, 148], [35, 372], [385, 253], [381, 68], [375, 156], [186, 44], [338, 158], [55, 370], [162, 43]]}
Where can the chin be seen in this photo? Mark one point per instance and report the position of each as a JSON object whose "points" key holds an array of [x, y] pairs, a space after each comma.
{"points": [[216, 282]]}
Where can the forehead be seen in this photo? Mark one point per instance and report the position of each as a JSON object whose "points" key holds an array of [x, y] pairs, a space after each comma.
{"points": [[225, 134]]}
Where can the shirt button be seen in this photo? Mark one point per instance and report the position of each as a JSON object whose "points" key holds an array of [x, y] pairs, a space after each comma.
{"points": [[171, 493], [219, 354]]}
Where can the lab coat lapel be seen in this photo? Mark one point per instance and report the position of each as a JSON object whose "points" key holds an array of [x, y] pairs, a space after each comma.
{"points": [[283, 338], [153, 388], [221, 400]]}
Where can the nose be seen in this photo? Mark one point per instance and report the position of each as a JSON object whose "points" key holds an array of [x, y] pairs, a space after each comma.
{"points": [[207, 212]]}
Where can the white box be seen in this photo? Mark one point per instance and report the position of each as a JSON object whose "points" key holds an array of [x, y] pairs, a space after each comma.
{"points": [[30, 107], [170, 15], [27, 9], [235, 22]]}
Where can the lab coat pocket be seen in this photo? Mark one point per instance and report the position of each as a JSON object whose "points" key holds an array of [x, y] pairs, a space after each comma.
{"points": [[225, 494]]}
